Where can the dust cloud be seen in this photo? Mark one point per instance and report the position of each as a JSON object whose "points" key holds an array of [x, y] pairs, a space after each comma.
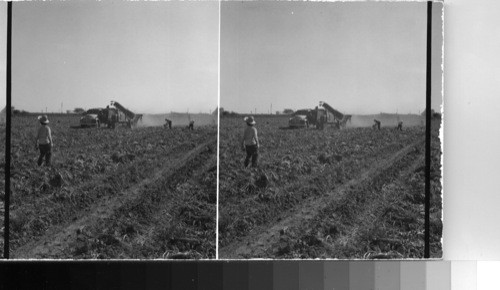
{"points": [[387, 120], [178, 120]]}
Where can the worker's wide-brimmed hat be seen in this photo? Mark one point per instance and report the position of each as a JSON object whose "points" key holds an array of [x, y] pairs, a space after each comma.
{"points": [[43, 119], [249, 120]]}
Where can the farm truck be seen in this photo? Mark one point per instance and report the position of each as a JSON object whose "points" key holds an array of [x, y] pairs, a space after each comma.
{"points": [[116, 114], [300, 119]]}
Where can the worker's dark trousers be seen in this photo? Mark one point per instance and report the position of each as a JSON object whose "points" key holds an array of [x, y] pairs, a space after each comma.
{"points": [[45, 151], [252, 153]]}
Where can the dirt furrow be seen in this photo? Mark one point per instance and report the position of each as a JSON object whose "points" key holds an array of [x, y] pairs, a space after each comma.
{"points": [[256, 243], [367, 217], [379, 204], [179, 222], [56, 240]]}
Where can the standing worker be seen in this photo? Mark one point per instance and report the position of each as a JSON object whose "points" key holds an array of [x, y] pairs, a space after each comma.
{"points": [[44, 141], [250, 142]]}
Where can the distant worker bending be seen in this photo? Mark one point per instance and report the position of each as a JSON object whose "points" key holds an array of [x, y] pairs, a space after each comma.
{"points": [[400, 126], [44, 141], [377, 124], [250, 142], [168, 123], [191, 125]]}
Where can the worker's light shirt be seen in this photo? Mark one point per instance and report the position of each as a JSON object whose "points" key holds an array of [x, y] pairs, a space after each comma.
{"points": [[250, 136], [44, 135]]}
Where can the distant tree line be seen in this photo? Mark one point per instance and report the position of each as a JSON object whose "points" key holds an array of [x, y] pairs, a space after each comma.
{"points": [[229, 114], [434, 114], [225, 113], [15, 111]]}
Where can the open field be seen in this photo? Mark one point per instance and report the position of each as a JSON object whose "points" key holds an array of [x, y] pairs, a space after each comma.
{"points": [[142, 193], [352, 193], [178, 119]]}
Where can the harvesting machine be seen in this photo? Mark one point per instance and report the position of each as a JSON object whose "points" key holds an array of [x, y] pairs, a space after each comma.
{"points": [[326, 114], [110, 116]]}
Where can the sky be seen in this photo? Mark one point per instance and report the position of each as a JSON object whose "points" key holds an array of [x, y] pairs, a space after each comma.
{"points": [[152, 57], [359, 57], [3, 52]]}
